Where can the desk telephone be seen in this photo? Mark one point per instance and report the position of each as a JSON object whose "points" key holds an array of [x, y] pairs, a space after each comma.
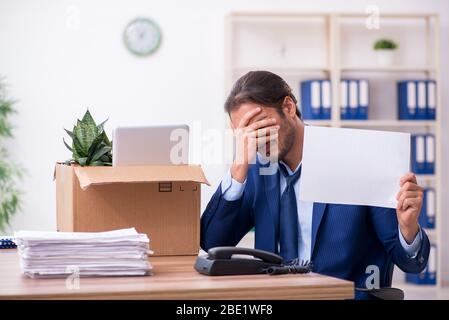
{"points": [[238, 261]]}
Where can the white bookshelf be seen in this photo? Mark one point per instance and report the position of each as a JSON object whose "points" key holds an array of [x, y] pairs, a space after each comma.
{"points": [[406, 69], [374, 123], [300, 46]]}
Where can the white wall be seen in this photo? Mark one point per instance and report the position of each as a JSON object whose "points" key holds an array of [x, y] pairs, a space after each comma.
{"points": [[56, 72]]}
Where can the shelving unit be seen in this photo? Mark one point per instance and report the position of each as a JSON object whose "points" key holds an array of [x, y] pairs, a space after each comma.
{"points": [[373, 123], [300, 46], [386, 69]]}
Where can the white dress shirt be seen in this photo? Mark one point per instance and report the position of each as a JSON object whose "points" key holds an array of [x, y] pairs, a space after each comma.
{"points": [[233, 190]]}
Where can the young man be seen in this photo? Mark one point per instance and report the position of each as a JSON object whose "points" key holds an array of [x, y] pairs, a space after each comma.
{"points": [[343, 241]]}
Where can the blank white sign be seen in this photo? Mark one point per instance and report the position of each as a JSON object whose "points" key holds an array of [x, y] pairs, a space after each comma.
{"points": [[351, 166]]}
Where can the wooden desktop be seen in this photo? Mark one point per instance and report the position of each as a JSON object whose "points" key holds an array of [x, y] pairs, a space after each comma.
{"points": [[173, 278]]}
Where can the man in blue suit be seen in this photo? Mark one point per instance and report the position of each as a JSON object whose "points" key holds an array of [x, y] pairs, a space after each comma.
{"points": [[344, 241]]}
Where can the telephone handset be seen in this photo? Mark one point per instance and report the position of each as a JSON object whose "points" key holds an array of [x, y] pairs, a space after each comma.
{"points": [[228, 252], [236, 260]]}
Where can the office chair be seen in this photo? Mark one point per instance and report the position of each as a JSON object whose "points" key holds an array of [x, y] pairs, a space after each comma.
{"points": [[386, 293]]}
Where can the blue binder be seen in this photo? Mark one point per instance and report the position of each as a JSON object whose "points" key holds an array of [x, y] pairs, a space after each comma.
{"points": [[418, 153], [422, 220], [421, 98], [344, 100], [431, 208], [428, 211], [353, 99], [363, 95], [416, 99], [431, 103], [429, 274], [310, 99], [326, 99], [316, 97], [431, 93], [406, 100], [430, 154]]}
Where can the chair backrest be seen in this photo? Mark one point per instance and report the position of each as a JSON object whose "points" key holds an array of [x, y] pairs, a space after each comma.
{"points": [[383, 293]]}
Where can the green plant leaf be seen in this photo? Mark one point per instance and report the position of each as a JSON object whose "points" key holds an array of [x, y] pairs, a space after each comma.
{"points": [[97, 163], [99, 153], [5, 128], [106, 139], [68, 147], [90, 125], [385, 44], [96, 145], [85, 135], [78, 150], [70, 133], [100, 127], [82, 161], [88, 119]]}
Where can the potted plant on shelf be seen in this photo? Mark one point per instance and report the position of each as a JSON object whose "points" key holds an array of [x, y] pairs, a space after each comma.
{"points": [[90, 144], [385, 50]]}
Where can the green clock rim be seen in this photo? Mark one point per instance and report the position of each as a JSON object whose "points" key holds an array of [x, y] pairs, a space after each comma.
{"points": [[159, 40]]}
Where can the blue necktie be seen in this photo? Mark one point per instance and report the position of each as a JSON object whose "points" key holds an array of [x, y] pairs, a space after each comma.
{"points": [[288, 217]]}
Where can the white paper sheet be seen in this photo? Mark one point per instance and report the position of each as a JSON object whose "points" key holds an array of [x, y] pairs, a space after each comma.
{"points": [[351, 166]]}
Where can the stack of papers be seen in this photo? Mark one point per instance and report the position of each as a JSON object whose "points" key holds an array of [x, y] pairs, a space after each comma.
{"points": [[88, 254]]}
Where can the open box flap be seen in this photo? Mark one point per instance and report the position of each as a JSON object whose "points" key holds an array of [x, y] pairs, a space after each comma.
{"points": [[88, 176]]}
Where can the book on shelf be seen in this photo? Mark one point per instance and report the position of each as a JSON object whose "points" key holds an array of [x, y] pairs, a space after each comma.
{"points": [[416, 99], [428, 210], [354, 99], [316, 99], [423, 153]]}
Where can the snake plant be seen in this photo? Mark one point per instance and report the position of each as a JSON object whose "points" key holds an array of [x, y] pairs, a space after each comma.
{"points": [[90, 144]]}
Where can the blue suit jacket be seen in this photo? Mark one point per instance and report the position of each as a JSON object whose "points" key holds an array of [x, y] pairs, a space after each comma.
{"points": [[346, 239]]}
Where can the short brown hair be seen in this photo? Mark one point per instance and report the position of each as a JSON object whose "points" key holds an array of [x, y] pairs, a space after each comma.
{"points": [[262, 87]]}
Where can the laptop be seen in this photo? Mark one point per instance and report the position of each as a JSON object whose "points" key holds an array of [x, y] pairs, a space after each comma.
{"points": [[151, 145]]}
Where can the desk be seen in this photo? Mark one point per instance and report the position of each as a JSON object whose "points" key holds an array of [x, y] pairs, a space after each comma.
{"points": [[174, 278]]}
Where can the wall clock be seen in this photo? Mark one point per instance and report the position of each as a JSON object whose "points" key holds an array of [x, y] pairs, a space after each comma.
{"points": [[142, 36]]}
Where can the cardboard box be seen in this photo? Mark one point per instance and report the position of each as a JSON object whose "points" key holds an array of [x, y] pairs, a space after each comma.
{"points": [[161, 201]]}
